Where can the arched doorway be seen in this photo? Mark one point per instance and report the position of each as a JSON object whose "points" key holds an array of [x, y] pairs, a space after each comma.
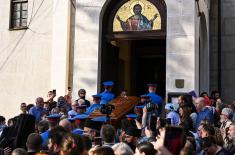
{"points": [[131, 55]]}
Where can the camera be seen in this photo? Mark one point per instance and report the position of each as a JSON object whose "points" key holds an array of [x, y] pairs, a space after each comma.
{"points": [[150, 106], [107, 109]]}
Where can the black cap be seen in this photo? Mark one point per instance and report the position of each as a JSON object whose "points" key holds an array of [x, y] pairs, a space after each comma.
{"points": [[92, 124], [132, 131]]}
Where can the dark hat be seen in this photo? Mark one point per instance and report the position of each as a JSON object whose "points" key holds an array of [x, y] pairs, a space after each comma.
{"points": [[139, 106], [152, 85], [70, 119], [102, 119], [53, 117], [145, 96], [131, 116], [78, 118], [108, 83], [132, 131], [97, 96], [81, 116], [78, 132], [92, 124]]}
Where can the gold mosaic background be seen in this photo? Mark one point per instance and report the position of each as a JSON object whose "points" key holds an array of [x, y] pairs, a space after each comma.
{"points": [[126, 10]]}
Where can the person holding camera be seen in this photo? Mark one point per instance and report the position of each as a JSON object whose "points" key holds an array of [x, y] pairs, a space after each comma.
{"points": [[149, 111]]}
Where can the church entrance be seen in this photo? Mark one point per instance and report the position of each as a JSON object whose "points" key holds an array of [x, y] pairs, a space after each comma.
{"points": [[133, 45], [132, 64]]}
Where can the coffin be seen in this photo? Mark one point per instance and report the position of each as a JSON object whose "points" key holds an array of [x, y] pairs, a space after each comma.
{"points": [[123, 105]]}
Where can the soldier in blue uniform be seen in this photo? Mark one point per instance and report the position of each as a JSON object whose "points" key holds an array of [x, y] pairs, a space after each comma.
{"points": [[53, 120], [95, 105], [155, 98], [107, 95], [79, 120]]}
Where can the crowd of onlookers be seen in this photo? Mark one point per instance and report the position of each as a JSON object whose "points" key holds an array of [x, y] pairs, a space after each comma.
{"points": [[202, 125]]}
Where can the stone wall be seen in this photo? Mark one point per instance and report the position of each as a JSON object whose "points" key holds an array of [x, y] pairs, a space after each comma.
{"points": [[180, 56], [85, 69], [228, 49]]}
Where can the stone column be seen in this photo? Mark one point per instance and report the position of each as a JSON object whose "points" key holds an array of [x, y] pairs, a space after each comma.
{"points": [[60, 46], [85, 73]]}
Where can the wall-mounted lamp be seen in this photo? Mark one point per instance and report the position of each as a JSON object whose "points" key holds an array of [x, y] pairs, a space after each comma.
{"points": [[198, 8]]}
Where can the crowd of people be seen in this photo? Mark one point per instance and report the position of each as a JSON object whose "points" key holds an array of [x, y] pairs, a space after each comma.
{"points": [[202, 125]]}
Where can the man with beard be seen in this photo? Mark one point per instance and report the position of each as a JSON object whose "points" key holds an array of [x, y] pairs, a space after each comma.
{"points": [[92, 129], [53, 121], [211, 148], [55, 138], [225, 119], [131, 136], [231, 135]]}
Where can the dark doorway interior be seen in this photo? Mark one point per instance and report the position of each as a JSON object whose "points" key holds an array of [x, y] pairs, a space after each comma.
{"points": [[150, 65], [132, 64]]}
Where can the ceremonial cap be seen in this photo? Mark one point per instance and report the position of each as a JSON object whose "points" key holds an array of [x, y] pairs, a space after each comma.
{"points": [[78, 118], [131, 116], [139, 106], [152, 85], [145, 96], [53, 117], [78, 132], [92, 124], [108, 83], [71, 119], [133, 131], [97, 96], [102, 119]]}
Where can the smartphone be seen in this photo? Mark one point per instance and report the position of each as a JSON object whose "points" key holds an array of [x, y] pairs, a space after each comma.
{"points": [[174, 139], [98, 141]]}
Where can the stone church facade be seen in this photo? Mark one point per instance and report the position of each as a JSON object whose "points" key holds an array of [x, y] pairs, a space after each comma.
{"points": [[53, 44]]}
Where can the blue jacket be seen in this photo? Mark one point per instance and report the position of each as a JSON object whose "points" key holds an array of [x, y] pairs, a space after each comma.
{"points": [[106, 96], [206, 113], [36, 112], [44, 136], [157, 100], [92, 108]]}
